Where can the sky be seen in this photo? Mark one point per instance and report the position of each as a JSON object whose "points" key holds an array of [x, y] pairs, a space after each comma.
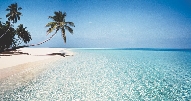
{"points": [[109, 23]]}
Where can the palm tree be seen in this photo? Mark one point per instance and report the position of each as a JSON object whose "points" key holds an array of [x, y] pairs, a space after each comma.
{"points": [[60, 24], [8, 40], [23, 34], [57, 24], [13, 15]]}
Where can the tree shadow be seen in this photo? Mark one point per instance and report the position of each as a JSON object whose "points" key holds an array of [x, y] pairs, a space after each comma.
{"points": [[53, 54], [18, 52], [13, 52]]}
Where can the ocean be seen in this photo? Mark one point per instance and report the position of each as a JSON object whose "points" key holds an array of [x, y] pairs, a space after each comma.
{"points": [[111, 75]]}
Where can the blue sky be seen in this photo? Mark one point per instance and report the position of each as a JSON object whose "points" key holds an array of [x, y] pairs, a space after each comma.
{"points": [[110, 23]]}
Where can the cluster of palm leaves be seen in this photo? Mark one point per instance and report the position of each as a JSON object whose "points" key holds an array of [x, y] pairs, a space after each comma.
{"points": [[11, 37], [60, 24], [14, 13]]}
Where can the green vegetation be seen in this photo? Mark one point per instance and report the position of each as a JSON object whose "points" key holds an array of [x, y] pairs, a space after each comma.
{"points": [[59, 23], [14, 13], [11, 38]]}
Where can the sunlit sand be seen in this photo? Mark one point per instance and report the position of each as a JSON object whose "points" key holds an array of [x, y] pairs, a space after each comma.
{"points": [[14, 62]]}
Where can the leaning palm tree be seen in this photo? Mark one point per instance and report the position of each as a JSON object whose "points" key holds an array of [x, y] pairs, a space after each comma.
{"points": [[60, 24], [13, 15]]}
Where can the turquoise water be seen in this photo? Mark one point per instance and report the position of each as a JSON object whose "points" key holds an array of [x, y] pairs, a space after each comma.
{"points": [[111, 75]]}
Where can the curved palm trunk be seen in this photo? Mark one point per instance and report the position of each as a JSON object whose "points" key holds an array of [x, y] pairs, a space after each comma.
{"points": [[14, 48], [44, 40], [19, 43], [4, 33]]}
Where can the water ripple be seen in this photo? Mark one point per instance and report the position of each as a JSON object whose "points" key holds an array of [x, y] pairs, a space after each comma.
{"points": [[110, 76]]}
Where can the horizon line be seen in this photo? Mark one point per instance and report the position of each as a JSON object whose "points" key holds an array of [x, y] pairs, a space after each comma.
{"points": [[151, 49]]}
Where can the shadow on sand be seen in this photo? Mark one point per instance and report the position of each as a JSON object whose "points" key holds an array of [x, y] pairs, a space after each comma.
{"points": [[13, 52], [17, 52]]}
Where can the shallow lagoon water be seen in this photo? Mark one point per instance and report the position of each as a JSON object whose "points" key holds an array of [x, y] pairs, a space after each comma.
{"points": [[110, 75]]}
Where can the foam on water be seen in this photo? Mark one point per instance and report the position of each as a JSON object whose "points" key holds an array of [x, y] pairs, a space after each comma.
{"points": [[113, 75]]}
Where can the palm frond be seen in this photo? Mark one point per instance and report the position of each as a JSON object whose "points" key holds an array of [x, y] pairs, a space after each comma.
{"points": [[19, 13], [50, 24], [51, 29], [10, 6], [8, 9], [70, 24], [58, 16], [64, 15], [8, 14], [18, 17], [51, 17], [69, 29], [19, 8]]}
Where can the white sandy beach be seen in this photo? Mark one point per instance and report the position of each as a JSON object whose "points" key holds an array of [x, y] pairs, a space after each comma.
{"points": [[22, 59]]}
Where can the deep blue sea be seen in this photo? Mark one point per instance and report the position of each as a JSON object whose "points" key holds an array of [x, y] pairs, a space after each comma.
{"points": [[111, 75]]}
